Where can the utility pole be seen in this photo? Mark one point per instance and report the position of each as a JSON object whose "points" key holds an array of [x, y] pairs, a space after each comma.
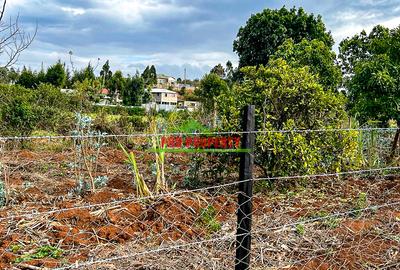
{"points": [[184, 77]]}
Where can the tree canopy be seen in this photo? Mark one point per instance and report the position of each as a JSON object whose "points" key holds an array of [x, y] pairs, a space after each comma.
{"points": [[264, 32], [372, 64], [56, 75], [149, 76], [106, 74], [281, 93], [317, 56], [134, 91]]}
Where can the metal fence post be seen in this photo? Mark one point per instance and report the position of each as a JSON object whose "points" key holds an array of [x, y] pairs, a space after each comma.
{"points": [[244, 212]]}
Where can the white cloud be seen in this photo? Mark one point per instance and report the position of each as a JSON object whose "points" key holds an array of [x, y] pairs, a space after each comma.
{"points": [[199, 59], [352, 15], [352, 28], [136, 11], [73, 11]]}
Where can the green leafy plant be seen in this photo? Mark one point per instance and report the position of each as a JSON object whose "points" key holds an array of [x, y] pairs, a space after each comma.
{"points": [[142, 189], [327, 221], [300, 229], [15, 248], [161, 184], [42, 252], [208, 218], [359, 204], [101, 181]]}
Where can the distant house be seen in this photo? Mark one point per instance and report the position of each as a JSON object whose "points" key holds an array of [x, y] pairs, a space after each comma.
{"points": [[188, 105], [163, 99], [165, 81], [187, 87]]}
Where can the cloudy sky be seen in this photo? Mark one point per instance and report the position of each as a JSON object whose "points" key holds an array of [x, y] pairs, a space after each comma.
{"points": [[172, 34]]}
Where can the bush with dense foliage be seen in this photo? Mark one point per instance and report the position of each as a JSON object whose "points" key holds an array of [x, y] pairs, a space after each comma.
{"points": [[44, 108], [288, 98]]}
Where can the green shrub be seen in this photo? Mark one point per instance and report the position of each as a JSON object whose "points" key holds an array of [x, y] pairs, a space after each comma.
{"points": [[44, 108], [301, 153], [208, 219], [115, 110]]}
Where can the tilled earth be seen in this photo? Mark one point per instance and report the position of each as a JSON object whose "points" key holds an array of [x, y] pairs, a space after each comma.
{"points": [[328, 223]]}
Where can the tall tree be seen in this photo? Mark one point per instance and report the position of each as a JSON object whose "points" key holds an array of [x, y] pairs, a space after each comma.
{"points": [[4, 78], [56, 74], [264, 32], [41, 76], [133, 92], [106, 74], [149, 76], [372, 66], [117, 83], [219, 70], [13, 75], [27, 78], [153, 75], [229, 71], [211, 86], [84, 74], [317, 56]]}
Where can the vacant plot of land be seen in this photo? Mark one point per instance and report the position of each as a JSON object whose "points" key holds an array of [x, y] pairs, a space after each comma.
{"points": [[328, 223]]}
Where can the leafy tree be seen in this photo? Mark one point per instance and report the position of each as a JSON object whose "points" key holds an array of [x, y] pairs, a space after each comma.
{"points": [[16, 111], [149, 76], [282, 92], [4, 78], [56, 75], [363, 46], [264, 32], [88, 73], [153, 75], [41, 76], [84, 74], [219, 70], [117, 83], [229, 72], [13, 75], [314, 54], [27, 78], [133, 92], [106, 74], [372, 65], [211, 86]]}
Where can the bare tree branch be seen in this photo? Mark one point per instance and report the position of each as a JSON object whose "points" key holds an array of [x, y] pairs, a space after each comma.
{"points": [[3, 10], [14, 39]]}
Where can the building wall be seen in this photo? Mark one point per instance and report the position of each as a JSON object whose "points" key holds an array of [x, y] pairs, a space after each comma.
{"points": [[165, 97]]}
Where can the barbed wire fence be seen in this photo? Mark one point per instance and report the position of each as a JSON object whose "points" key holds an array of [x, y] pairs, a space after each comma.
{"points": [[333, 220]]}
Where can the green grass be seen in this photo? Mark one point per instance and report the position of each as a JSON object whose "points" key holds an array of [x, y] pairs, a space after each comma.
{"points": [[208, 219], [42, 252]]}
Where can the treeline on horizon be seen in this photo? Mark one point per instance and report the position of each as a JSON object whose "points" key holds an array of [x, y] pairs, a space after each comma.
{"points": [[287, 68]]}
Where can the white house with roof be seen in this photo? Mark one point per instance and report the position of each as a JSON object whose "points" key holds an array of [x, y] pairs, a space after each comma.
{"points": [[163, 99], [188, 105], [165, 81]]}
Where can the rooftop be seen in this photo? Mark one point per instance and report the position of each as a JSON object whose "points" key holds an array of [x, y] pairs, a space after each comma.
{"points": [[160, 90]]}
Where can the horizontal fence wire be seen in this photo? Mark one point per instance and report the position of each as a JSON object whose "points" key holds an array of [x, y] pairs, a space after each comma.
{"points": [[197, 207], [200, 190], [227, 237], [146, 135]]}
